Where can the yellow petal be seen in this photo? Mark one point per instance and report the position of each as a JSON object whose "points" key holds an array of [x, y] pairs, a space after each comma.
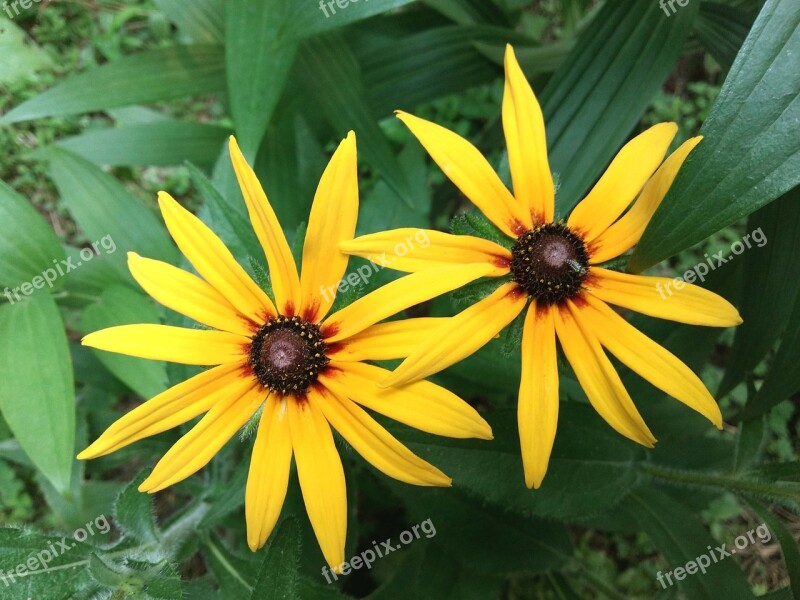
{"points": [[662, 297], [321, 476], [397, 296], [268, 477], [385, 341], [173, 344], [175, 406], [653, 362], [414, 250], [214, 261], [195, 449], [378, 447], [282, 270], [188, 295], [598, 378], [462, 335], [471, 173], [333, 219], [523, 125], [622, 181], [626, 233], [537, 411], [421, 405]]}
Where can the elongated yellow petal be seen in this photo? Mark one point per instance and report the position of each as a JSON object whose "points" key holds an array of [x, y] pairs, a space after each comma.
{"points": [[413, 250], [188, 295], [461, 335], [650, 360], [268, 477], [321, 476], [598, 378], [662, 297], [523, 125], [471, 173], [282, 270], [195, 449], [378, 447], [398, 296], [333, 219], [214, 261], [627, 231], [537, 411], [172, 407], [421, 405], [385, 341], [622, 181], [173, 344]]}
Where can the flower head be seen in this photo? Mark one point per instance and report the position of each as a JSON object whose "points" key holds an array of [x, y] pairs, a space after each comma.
{"points": [[550, 268], [286, 356]]}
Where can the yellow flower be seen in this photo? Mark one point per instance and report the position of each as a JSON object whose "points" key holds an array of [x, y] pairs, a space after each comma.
{"points": [[554, 265], [303, 368]]}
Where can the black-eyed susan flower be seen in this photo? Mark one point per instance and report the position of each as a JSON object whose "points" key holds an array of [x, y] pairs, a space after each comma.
{"points": [[286, 356], [551, 266]]}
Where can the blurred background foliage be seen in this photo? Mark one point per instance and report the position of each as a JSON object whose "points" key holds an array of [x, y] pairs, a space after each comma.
{"points": [[106, 102]]}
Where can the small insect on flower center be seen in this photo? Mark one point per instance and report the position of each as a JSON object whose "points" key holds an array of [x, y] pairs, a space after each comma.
{"points": [[287, 355], [550, 262]]}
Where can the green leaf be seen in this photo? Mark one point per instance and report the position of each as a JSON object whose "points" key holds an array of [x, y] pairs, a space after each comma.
{"points": [[278, 577], [332, 77], [311, 19], [681, 537], [749, 443], [21, 57], [37, 396], [750, 155], [146, 77], [258, 61], [585, 450], [133, 513], [161, 143], [119, 305], [770, 273], [200, 20], [722, 30], [597, 96], [104, 209], [28, 245]]}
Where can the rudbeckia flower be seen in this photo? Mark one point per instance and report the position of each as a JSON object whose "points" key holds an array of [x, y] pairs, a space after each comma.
{"points": [[302, 367], [552, 267]]}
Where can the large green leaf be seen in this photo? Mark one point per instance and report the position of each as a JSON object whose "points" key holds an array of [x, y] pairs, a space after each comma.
{"points": [[119, 305], [681, 537], [600, 92], [722, 30], [28, 245], [313, 18], [278, 576], [149, 76], [258, 60], [104, 209], [751, 152], [37, 397], [200, 20], [150, 144], [770, 272]]}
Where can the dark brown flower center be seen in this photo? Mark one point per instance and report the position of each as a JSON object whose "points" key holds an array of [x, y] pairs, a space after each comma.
{"points": [[550, 262], [287, 355]]}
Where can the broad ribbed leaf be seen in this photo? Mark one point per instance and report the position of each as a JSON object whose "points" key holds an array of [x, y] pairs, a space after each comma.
{"points": [[28, 245], [258, 59], [146, 77], [770, 272], [162, 143], [600, 92], [200, 20], [37, 397], [751, 152], [722, 30], [312, 18]]}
